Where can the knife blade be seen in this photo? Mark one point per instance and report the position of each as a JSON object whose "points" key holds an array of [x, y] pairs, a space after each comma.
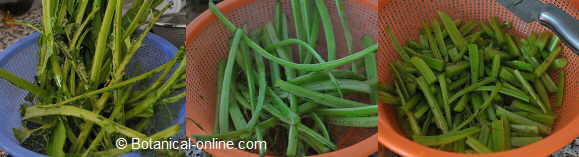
{"points": [[527, 10], [560, 22]]}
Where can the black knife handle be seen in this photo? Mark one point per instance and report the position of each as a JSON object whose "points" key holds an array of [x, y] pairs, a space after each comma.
{"points": [[563, 24]]}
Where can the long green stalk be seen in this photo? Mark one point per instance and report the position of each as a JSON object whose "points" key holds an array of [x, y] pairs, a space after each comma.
{"points": [[101, 48], [20, 83], [328, 29]]}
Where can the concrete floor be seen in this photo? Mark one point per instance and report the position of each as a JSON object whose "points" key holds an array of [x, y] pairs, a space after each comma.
{"points": [[11, 33]]}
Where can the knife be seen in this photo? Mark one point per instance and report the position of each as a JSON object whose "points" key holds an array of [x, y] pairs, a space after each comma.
{"points": [[564, 25]]}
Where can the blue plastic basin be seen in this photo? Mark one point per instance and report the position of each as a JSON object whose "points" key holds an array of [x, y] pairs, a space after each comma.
{"points": [[21, 59]]}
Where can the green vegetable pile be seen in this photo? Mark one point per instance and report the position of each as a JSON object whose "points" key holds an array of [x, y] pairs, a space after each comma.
{"points": [[296, 97], [83, 99], [474, 87]]}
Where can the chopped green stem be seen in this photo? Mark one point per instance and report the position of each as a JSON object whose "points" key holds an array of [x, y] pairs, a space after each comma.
{"points": [[444, 92], [523, 141], [506, 91], [433, 103], [477, 145], [446, 138], [431, 41], [396, 45], [485, 105], [531, 92], [545, 65], [423, 69], [470, 88], [475, 61], [522, 120], [560, 89], [452, 30]]}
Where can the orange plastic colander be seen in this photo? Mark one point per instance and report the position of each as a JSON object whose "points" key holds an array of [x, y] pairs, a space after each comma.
{"points": [[207, 43], [405, 18]]}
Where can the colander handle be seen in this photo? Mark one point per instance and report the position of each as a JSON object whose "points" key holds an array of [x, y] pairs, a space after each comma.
{"points": [[563, 24]]}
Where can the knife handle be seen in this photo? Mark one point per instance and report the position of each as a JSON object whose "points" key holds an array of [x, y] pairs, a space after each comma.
{"points": [[563, 24]]}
